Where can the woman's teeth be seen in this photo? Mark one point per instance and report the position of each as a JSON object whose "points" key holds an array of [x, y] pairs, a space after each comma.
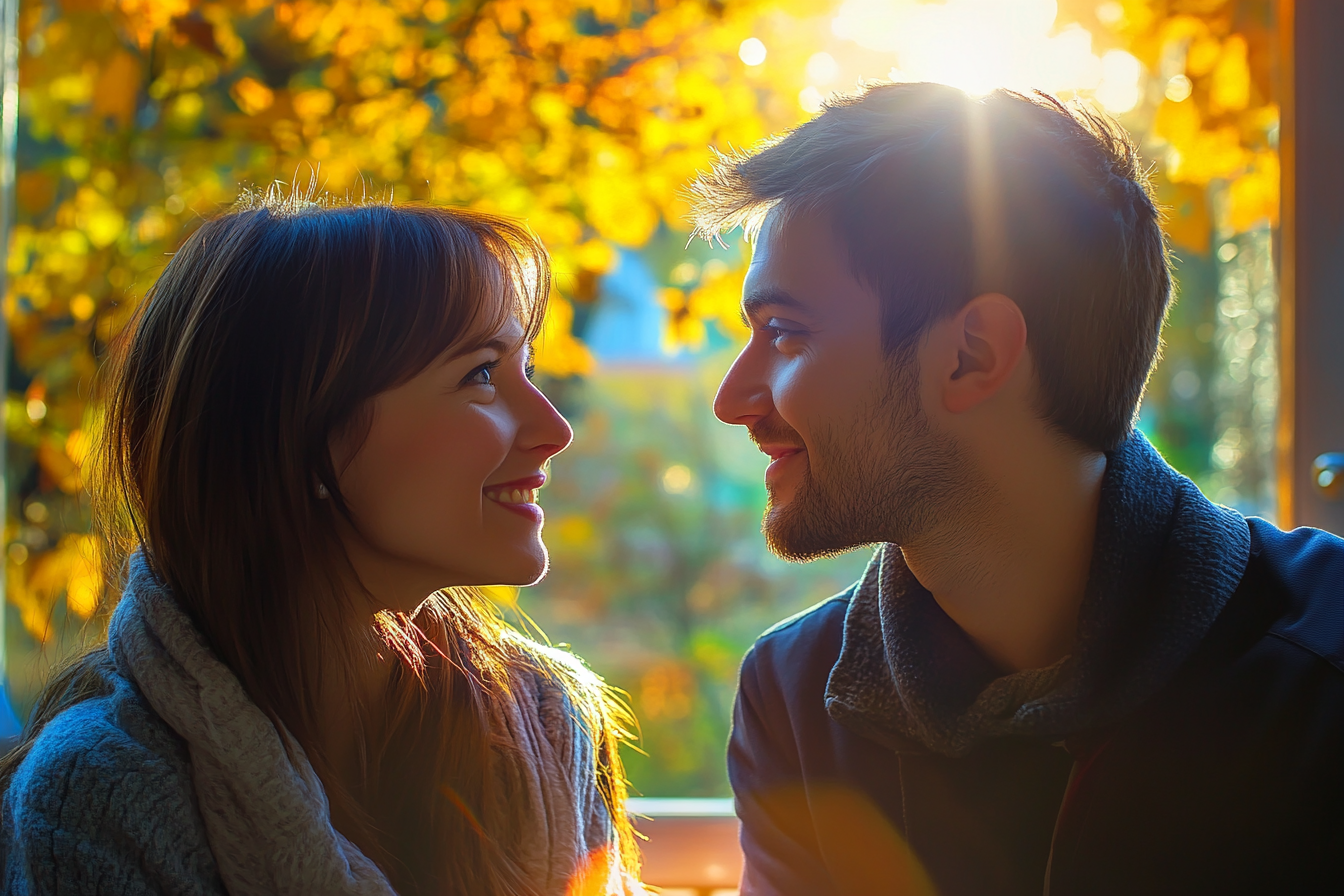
{"points": [[512, 496]]}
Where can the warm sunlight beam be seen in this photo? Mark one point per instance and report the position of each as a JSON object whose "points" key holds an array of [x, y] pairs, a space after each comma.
{"points": [[978, 45]]}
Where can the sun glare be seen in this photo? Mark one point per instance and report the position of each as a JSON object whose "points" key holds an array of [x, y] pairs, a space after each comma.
{"points": [[980, 45], [752, 51]]}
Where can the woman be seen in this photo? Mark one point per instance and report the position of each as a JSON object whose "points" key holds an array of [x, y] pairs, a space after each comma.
{"points": [[320, 432]]}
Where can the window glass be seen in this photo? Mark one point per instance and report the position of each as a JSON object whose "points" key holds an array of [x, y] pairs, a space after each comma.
{"points": [[588, 120]]}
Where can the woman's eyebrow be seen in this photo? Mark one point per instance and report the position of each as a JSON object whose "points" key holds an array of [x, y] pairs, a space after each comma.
{"points": [[468, 348], [768, 298]]}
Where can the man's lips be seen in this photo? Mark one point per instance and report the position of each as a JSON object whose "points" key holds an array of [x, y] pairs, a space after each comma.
{"points": [[777, 451], [780, 457]]}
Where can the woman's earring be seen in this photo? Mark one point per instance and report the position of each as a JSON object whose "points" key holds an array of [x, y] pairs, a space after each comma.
{"points": [[322, 491]]}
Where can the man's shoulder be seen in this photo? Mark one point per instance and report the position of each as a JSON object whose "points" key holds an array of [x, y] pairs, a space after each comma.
{"points": [[796, 654], [1305, 569], [809, 629]]}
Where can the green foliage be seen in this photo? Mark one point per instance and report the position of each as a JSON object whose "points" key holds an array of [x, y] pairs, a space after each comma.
{"points": [[660, 576]]}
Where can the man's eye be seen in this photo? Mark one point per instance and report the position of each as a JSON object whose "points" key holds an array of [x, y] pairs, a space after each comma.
{"points": [[481, 376], [775, 331]]}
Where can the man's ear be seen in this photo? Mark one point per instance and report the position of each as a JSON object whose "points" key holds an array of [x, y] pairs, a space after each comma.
{"points": [[989, 336]]}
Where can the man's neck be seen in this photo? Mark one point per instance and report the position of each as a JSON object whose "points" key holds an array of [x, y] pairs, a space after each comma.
{"points": [[1012, 571]]}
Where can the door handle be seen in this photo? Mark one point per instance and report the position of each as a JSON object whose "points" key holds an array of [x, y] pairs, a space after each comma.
{"points": [[1327, 474]]}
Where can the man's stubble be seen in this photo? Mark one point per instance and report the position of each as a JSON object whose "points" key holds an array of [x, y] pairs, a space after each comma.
{"points": [[888, 478]]}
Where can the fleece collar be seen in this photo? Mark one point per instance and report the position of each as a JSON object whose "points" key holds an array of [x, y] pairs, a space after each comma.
{"points": [[1164, 564]]}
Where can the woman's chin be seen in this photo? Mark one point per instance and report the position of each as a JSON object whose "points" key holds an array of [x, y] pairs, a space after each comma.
{"points": [[532, 577], [527, 569]]}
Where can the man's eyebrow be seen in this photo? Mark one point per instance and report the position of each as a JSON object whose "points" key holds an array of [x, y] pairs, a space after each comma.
{"points": [[768, 298]]}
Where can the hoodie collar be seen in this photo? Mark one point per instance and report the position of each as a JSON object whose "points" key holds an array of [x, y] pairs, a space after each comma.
{"points": [[1164, 563]]}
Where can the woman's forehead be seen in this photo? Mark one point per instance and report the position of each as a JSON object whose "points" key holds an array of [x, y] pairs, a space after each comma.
{"points": [[507, 337]]}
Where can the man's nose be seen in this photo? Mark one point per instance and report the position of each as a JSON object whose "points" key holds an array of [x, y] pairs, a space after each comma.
{"points": [[744, 395]]}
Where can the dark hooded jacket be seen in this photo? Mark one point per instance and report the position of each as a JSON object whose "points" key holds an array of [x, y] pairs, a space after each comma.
{"points": [[1192, 743]]}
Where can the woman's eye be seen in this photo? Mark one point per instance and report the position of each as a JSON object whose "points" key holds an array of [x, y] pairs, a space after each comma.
{"points": [[481, 376]]}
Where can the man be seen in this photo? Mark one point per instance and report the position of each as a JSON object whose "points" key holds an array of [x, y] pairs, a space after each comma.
{"points": [[1065, 670]]}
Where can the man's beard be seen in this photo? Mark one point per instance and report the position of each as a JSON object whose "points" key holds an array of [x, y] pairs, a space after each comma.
{"points": [[886, 478]]}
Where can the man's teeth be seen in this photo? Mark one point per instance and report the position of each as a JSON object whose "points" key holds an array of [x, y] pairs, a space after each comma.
{"points": [[512, 496]]}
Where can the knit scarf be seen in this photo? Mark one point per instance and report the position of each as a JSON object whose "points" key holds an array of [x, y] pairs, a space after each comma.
{"points": [[1164, 563], [265, 811]]}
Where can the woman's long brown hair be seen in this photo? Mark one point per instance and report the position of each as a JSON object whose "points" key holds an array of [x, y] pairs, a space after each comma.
{"points": [[267, 333]]}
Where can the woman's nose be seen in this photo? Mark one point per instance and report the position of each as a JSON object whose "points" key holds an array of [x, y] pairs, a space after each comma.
{"points": [[545, 429]]}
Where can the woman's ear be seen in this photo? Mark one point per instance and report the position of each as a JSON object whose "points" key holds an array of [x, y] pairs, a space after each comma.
{"points": [[988, 336]]}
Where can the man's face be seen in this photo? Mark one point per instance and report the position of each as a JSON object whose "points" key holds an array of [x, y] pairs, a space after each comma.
{"points": [[854, 459]]}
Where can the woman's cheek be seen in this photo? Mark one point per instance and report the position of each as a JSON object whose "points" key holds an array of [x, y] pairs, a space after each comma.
{"points": [[439, 464], [461, 456]]}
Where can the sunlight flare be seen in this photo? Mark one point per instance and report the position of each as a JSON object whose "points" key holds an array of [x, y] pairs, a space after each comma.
{"points": [[981, 45]]}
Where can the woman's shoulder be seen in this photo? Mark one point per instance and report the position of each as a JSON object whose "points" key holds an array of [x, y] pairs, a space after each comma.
{"points": [[568, 720], [550, 675], [104, 802], [104, 733]]}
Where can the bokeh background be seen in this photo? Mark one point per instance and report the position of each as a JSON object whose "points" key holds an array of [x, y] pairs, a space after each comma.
{"points": [[138, 118]]}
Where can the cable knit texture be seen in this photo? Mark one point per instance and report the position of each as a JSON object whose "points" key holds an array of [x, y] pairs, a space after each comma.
{"points": [[1164, 563], [176, 782]]}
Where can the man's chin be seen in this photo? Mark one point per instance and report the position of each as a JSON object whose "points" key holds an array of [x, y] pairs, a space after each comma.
{"points": [[792, 539]]}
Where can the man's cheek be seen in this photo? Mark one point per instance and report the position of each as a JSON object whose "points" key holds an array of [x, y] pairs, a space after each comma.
{"points": [[813, 407], [798, 400]]}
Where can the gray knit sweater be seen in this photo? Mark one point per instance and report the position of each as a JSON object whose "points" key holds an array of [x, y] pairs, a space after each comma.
{"points": [[173, 782], [104, 803]]}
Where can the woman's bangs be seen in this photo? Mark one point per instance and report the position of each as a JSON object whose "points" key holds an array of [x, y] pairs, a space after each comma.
{"points": [[525, 271], [492, 271]]}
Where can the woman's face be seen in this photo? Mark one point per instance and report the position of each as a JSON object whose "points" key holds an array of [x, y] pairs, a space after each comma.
{"points": [[443, 485]]}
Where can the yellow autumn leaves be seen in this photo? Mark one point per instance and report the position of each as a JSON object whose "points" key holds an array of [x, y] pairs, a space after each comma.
{"points": [[70, 570], [1218, 120], [584, 117], [713, 301], [139, 117]]}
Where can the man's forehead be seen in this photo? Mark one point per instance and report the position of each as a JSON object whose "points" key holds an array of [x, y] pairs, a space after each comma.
{"points": [[791, 231], [798, 254], [770, 236], [798, 246]]}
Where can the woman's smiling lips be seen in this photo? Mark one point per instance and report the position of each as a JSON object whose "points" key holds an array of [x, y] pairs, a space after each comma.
{"points": [[518, 495], [779, 458]]}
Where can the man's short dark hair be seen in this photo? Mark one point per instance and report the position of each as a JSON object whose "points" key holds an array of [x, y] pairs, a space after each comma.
{"points": [[939, 197]]}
